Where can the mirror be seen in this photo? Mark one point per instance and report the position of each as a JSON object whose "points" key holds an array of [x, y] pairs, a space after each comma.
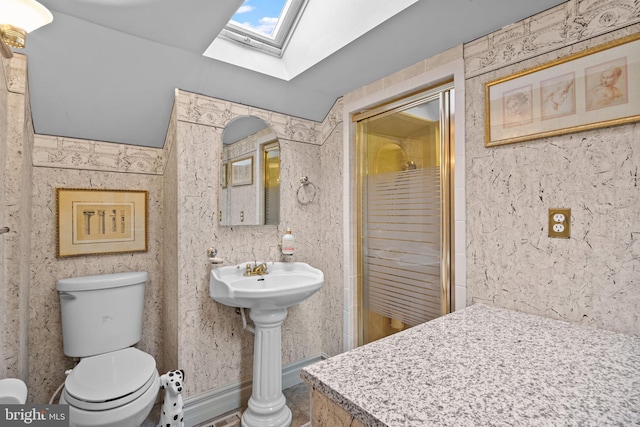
{"points": [[249, 174]]}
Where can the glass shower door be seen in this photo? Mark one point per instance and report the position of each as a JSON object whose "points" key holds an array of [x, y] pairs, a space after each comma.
{"points": [[405, 230]]}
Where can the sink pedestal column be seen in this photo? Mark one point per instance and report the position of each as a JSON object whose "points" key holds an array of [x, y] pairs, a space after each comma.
{"points": [[267, 405]]}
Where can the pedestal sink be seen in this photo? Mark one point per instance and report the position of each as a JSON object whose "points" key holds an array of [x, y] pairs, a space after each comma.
{"points": [[267, 296]]}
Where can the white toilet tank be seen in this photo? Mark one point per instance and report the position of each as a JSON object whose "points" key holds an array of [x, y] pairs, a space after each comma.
{"points": [[101, 313]]}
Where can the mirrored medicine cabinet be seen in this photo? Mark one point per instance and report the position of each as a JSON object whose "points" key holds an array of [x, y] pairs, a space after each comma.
{"points": [[249, 174]]}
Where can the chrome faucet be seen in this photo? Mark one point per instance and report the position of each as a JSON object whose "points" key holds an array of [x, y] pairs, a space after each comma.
{"points": [[256, 270]]}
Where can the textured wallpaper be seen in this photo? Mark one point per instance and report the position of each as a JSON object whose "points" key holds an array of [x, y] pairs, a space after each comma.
{"points": [[4, 372], [593, 278], [212, 345]]}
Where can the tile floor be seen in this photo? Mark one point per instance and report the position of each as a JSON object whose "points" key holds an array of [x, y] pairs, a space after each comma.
{"points": [[297, 400]]}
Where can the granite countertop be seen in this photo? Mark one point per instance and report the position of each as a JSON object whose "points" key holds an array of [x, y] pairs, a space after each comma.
{"points": [[488, 366]]}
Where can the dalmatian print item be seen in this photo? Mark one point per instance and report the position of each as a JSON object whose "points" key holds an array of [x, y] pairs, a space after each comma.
{"points": [[172, 414]]}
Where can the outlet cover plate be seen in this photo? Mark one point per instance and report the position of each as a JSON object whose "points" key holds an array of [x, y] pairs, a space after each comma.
{"points": [[566, 232]]}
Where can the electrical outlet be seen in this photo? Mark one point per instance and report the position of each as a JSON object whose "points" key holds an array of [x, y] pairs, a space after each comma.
{"points": [[559, 222]]}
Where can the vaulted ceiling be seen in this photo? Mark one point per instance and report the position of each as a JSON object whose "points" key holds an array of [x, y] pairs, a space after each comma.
{"points": [[106, 70]]}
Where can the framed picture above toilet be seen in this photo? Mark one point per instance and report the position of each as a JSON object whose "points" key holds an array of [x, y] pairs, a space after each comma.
{"points": [[92, 221]]}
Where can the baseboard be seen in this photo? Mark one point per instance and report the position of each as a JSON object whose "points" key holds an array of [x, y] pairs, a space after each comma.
{"points": [[203, 407]]}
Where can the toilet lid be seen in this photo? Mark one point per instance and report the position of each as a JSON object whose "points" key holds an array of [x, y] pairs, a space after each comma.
{"points": [[110, 376]]}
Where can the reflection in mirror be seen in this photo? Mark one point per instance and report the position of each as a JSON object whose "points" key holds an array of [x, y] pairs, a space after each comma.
{"points": [[249, 173]]}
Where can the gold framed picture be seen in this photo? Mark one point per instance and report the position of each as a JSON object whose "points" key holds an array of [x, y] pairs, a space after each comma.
{"points": [[591, 89], [93, 221], [242, 171]]}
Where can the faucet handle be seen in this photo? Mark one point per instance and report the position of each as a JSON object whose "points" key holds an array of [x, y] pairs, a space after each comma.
{"points": [[212, 252]]}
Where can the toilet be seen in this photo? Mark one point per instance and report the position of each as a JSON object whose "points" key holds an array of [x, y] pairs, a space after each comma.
{"points": [[114, 384], [13, 391]]}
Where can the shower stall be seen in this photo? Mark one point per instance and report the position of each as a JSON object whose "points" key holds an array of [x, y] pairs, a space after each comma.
{"points": [[404, 152]]}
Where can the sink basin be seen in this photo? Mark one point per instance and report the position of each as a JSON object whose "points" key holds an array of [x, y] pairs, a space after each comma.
{"points": [[286, 285]]}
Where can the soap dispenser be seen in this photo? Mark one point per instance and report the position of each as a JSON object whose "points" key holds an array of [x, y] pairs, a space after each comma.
{"points": [[288, 243]]}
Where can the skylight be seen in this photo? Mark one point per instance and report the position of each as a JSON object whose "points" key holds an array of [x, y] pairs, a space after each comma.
{"points": [[259, 16], [303, 40], [264, 24]]}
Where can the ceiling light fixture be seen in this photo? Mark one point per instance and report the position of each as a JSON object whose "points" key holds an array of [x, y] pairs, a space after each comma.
{"points": [[17, 18]]}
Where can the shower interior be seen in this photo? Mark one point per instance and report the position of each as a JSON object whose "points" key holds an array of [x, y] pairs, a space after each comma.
{"points": [[404, 181]]}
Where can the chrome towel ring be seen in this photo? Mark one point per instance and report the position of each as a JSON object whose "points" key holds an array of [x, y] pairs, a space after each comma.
{"points": [[303, 195]]}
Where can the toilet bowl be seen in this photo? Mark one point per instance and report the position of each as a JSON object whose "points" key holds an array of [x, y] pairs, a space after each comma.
{"points": [[114, 384], [13, 392], [116, 389]]}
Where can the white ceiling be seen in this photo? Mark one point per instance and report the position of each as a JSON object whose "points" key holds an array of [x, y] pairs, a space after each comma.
{"points": [[106, 70]]}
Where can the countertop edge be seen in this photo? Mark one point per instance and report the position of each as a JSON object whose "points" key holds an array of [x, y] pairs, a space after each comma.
{"points": [[346, 404]]}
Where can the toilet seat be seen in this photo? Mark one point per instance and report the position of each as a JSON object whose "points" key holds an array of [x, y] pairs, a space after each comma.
{"points": [[110, 380]]}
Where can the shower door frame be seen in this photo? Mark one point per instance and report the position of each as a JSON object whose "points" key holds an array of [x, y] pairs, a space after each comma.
{"points": [[446, 94]]}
